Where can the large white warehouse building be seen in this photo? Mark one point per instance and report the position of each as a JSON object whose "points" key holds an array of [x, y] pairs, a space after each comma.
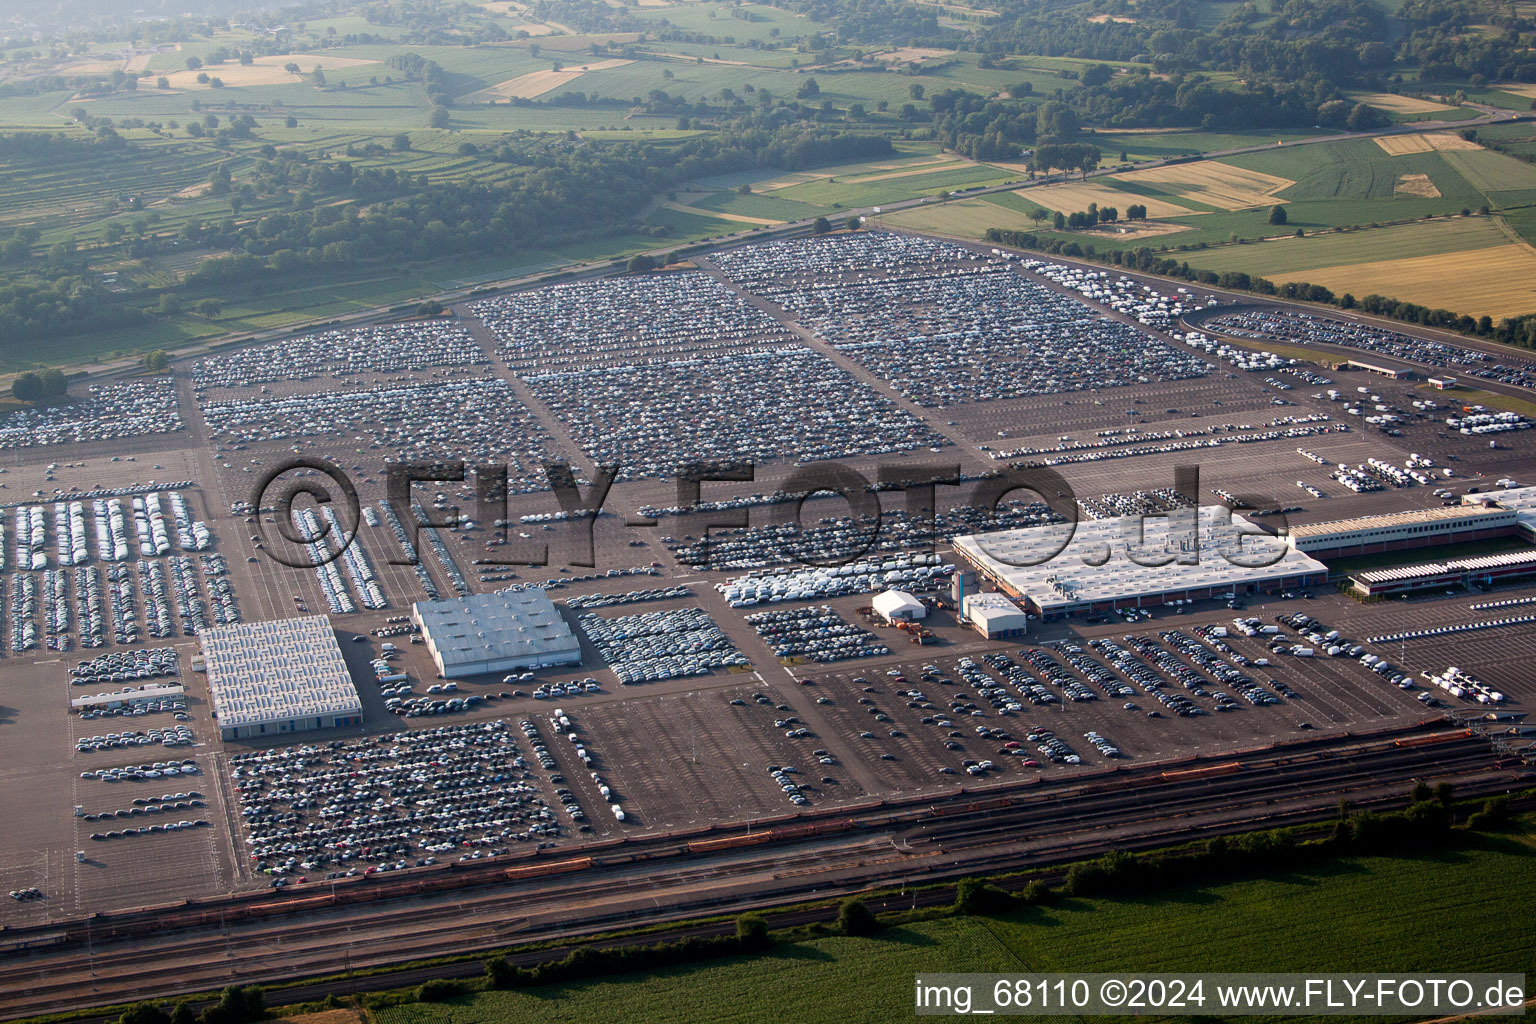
{"points": [[496, 632], [277, 677], [1095, 572]]}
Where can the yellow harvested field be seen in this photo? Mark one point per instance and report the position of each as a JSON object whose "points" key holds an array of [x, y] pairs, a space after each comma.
{"points": [[1498, 281], [911, 53], [1399, 145], [1070, 198], [138, 62], [1417, 186], [1520, 89], [1400, 104], [1119, 19], [268, 70], [537, 83], [1129, 231], [1213, 183], [717, 215]]}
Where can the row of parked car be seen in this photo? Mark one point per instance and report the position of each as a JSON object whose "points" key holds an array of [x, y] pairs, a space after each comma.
{"points": [[142, 807], [174, 736], [126, 666], [144, 772], [158, 827]]}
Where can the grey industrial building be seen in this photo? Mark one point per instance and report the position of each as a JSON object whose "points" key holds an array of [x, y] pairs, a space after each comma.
{"points": [[277, 677], [496, 632]]}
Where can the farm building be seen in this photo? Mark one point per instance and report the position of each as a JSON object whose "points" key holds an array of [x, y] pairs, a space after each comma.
{"points": [[496, 632], [994, 616], [1442, 383], [1393, 531], [276, 677], [1460, 572], [1095, 570], [899, 606]]}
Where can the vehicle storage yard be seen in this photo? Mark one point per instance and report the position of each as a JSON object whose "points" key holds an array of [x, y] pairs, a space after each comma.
{"points": [[683, 714]]}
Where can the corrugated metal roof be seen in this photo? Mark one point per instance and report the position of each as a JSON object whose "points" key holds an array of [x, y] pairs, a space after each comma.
{"points": [[503, 625], [1391, 519], [277, 670], [1096, 566]]}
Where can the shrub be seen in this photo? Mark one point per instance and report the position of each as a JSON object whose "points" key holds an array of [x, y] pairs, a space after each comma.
{"points": [[438, 990]]}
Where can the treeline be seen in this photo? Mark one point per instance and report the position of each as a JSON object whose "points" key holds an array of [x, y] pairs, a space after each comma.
{"points": [[994, 128], [60, 147], [45, 308], [1517, 331], [238, 1004]]}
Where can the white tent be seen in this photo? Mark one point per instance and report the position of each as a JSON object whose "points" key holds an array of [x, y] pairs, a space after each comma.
{"points": [[898, 605]]}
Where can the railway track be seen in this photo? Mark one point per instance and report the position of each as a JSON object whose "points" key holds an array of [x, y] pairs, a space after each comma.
{"points": [[1064, 823]]}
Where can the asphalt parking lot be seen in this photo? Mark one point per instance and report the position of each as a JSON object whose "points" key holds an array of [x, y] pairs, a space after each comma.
{"points": [[678, 753]]}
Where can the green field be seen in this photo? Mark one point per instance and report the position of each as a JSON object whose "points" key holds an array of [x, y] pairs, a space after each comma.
{"points": [[1459, 909], [969, 218]]}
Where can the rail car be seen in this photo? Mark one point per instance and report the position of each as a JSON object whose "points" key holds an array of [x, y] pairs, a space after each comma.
{"points": [[1208, 771], [559, 867], [728, 842], [1432, 738]]}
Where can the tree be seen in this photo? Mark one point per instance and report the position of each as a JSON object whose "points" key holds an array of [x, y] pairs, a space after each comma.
{"points": [[821, 226], [808, 89], [158, 360], [291, 68], [401, 142], [752, 931], [1056, 120], [641, 262], [1088, 160], [855, 918], [193, 63], [1277, 214], [35, 387], [209, 308], [183, 1014], [1059, 221], [236, 1005], [498, 972], [162, 82], [915, 90], [853, 223], [291, 122], [1038, 214], [1098, 74], [145, 1013], [440, 117]]}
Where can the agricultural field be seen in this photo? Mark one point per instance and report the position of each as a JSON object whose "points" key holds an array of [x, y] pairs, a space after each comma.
{"points": [[1392, 103], [1361, 245], [1294, 919], [1498, 281]]}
